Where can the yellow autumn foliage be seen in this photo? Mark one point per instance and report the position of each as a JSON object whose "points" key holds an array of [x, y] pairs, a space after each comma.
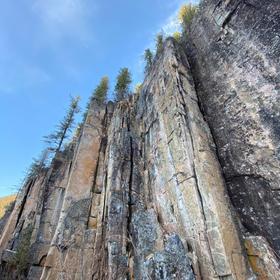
{"points": [[177, 36], [186, 13], [5, 202]]}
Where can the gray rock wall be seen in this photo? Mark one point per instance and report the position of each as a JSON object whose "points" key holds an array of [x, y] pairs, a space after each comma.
{"points": [[234, 50]]}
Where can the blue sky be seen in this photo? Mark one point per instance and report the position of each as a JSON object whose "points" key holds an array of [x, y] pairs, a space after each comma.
{"points": [[50, 49]]}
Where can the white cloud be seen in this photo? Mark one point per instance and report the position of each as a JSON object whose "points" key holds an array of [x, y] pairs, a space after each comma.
{"points": [[62, 18], [171, 25], [168, 27]]}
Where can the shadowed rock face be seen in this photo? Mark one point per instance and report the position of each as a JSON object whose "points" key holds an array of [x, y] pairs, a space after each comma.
{"points": [[234, 51], [142, 194]]}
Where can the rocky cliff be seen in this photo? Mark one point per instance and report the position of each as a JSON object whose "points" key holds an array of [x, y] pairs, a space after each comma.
{"points": [[235, 59], [178, 182]]}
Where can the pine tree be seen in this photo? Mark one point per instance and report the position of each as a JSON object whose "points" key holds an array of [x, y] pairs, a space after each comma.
{"points": [[159, 43], [123, 84], [38, 164], [65, 126], [101, 91], [86, 111], [21, 257], [149, 57]]}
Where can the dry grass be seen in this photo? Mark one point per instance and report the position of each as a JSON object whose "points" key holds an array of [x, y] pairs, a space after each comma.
{"points": [[4, 202]]}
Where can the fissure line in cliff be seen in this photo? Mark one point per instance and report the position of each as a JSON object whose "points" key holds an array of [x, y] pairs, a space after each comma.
{"points": [[129, 247], [30, 185], [94, 179], [202, 207]]}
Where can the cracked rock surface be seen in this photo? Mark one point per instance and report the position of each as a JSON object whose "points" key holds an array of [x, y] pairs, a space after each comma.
{"points": [[234, 50], [142, 195], [179, 182]]}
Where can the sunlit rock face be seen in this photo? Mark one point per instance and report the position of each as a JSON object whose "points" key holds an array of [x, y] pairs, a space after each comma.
{"points": [[234, 50], [147, 192], [141, 196]]}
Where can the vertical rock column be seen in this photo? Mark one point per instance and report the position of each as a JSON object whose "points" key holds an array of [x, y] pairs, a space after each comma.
{"points": [[163, 205], [130, 242], [234, 49], [183, 184], [23, 214], [116, 193], [49, 210], [35, 213], [67, 253]]}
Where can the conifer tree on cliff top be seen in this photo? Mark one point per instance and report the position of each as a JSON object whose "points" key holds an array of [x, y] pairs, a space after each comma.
{"points": [[38, 164], [57, 138], [159, 43], [101, 91], [123, 84], [149, 58]]}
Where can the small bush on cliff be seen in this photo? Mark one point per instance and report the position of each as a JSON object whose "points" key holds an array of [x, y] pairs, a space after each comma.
{"points": [[20, 259], [122, 86], [56, 139], [177, 36]]}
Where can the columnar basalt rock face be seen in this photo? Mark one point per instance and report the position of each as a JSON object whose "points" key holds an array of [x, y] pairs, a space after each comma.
{"points": [[71, 246], [36, 207], [183, 176], [156, 208], [234, 52], [142, 196], [143, 192]]}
